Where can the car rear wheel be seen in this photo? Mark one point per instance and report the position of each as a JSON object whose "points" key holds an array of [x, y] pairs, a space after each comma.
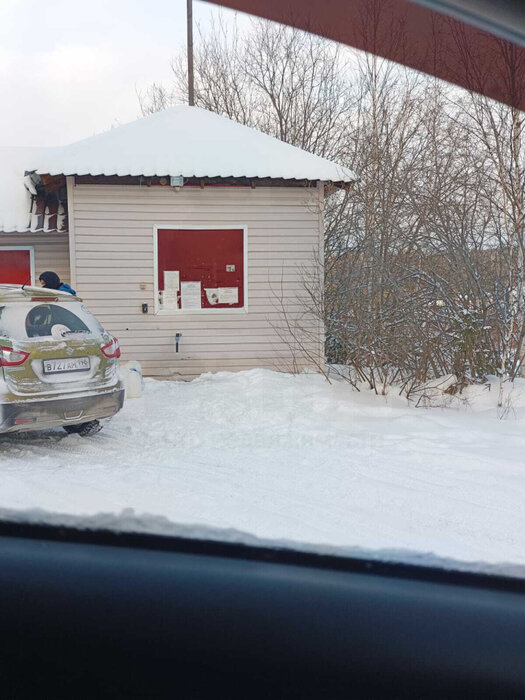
{"points": [[84, 429]]}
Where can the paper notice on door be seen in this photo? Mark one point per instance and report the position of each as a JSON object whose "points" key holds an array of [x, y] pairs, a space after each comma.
{"points": [[228, 295], [169, 299], [190, 295], [171, 280], [212, 295]]}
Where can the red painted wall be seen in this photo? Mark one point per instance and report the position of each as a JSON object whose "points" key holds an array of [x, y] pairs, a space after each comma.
{"points": [[15, 266], [202, 255]]}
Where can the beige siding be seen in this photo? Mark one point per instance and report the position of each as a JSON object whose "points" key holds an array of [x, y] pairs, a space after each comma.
{"points": [[51, 251], [114, 236]]}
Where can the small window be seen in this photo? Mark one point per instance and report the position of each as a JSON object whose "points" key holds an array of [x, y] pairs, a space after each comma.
{"points": [[26, 321], [201, 269], [41, 320]]}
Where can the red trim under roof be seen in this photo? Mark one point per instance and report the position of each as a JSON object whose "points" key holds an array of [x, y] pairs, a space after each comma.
{"points": [[409, 34]]}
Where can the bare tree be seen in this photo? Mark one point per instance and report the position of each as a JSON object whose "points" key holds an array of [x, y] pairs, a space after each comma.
{"points": [[155, 98], [287, 83], [498, 130]]}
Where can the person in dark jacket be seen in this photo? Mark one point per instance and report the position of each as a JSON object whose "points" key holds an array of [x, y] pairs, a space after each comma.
{"points": [[50, 280]]}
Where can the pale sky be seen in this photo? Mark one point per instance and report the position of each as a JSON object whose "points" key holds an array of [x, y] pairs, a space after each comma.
{"points": [[68, 68]]}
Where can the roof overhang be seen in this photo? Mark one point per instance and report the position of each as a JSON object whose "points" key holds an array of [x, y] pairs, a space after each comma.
{"points": [[201, 182]]}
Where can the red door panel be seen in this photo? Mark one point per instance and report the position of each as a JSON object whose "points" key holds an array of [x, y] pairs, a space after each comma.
{"points": [[215, 257], [15, 266]]}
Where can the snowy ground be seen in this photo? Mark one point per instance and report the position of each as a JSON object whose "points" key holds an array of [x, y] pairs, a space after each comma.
{"points": [[290, 458]]}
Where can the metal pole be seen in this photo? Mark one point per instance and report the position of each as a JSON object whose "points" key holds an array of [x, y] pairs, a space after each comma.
{"points": [[191, 96]]}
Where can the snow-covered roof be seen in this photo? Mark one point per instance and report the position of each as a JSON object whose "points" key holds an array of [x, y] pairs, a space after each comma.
{"points": [[15, 197], [187, 141], [22, 208], [191, 142]]}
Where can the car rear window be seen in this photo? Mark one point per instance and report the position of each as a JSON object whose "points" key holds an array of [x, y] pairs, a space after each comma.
{"points": [[25, 321]]}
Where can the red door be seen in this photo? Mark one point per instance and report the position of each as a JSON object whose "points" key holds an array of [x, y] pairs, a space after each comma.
{"points": [[15, 266], [213, 257]]}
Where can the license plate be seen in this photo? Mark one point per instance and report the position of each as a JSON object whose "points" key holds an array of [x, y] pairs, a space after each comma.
{"points": [[68, 364]]}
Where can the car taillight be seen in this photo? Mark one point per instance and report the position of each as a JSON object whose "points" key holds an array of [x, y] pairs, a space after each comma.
{"points": [[112, 349], [11, 358]]}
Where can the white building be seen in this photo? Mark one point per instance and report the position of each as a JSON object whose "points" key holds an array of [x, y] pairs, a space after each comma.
{"points": [[187, 234]]}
